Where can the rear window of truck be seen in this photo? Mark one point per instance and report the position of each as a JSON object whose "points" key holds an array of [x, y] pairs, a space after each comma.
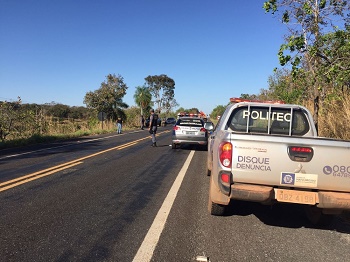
{"points": [[269, 120]]}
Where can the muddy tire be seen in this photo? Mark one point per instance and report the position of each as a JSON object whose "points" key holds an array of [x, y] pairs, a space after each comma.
{"points": [[216, 209], [316, 217]]}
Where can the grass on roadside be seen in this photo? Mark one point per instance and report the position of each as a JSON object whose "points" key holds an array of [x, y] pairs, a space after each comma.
{"points": [[40, 139]]}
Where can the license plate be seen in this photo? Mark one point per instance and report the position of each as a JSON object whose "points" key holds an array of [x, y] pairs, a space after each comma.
{"points": [[295, 196], [190, 133]]}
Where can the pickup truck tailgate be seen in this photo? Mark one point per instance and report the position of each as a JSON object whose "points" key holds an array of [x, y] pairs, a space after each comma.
{"points": [[267, 160]]}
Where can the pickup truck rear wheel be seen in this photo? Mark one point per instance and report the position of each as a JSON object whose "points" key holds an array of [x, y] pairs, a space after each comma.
{"points": [[316, 217], [216, 209]]}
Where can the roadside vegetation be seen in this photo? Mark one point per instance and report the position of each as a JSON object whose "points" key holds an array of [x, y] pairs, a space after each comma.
{"points": [[23, 124]]}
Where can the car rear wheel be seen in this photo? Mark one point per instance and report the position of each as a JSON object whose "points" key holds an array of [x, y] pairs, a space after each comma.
{"points": [[173, 146]]}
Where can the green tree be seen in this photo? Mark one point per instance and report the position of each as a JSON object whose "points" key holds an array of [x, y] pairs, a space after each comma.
{"points": [[180, 109], [109, 97], [17, 121], [335, 53], [162, 88], [307, 22], [218, 111], [59, 110], [282, 87], [193, 110], [8, 117], [143, 98]]}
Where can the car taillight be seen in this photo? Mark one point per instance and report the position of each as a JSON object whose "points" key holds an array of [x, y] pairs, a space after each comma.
{"points": [[203, 130], [225, 154], [300, 153], [176, 128]]}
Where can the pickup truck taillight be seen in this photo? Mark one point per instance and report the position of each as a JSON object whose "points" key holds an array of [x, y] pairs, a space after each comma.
{"points": [[225, 154], [300, 153]]}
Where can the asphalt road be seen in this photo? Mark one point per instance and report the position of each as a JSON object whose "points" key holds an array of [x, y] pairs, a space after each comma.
{"points": [[115, 198]]}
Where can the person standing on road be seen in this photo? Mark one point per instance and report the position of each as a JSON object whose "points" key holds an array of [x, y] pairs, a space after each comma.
{"points": [[119, 125], [153, 119], [142, 122]]}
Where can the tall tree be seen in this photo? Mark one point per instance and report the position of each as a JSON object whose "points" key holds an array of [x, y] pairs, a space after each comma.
{"points": [[162, 88], [109, 97], [307, 22], [142, 97]]}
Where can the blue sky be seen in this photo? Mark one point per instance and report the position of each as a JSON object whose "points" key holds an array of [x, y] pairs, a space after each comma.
{"points": [[58, 50]]}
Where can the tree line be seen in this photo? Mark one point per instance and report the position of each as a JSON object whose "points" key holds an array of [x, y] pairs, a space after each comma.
{"points": [[158, 90], [19, 121]]}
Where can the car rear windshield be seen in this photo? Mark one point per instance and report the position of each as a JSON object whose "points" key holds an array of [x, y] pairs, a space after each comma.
{"points": [[269, 120], [190, 122]]}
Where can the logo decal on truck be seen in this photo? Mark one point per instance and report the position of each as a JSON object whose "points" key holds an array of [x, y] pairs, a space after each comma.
{"points": [[288, 179], [299, 179]]}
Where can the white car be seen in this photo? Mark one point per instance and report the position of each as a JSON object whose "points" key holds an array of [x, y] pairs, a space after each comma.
{"points": [[189, 130]]}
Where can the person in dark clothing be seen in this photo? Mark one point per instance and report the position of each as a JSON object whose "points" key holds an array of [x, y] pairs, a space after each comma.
{"points": [[153, 126]]}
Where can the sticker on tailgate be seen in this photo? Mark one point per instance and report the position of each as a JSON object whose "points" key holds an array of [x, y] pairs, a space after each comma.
{"points": [[299, 179]]}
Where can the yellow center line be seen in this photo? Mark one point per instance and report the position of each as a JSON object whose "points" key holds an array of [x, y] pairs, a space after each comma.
{"points": [[45, 172], [23, 181]]}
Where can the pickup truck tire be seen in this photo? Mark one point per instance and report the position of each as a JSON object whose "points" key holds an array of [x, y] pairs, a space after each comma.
{"points": [[316, 217], [216, 209]]}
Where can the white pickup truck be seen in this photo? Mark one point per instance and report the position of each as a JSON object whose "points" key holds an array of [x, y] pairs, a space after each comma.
{"points": [[269, 152]]}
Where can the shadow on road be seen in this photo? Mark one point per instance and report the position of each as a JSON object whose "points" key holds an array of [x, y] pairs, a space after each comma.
{"points": [[285, 215]]}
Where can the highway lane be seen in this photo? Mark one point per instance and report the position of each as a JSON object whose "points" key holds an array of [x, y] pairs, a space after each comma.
{"points": [[96, 210], [20, 161], [101, 209]]}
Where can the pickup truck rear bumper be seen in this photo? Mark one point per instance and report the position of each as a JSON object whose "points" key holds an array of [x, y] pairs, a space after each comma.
{"points": [[266, 194]]}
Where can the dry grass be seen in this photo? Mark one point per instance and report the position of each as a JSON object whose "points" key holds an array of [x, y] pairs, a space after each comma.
{"points": [[335, 118]]}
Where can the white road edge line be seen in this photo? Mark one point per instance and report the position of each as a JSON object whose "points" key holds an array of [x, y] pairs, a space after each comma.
{"points": [[150, 242]]}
